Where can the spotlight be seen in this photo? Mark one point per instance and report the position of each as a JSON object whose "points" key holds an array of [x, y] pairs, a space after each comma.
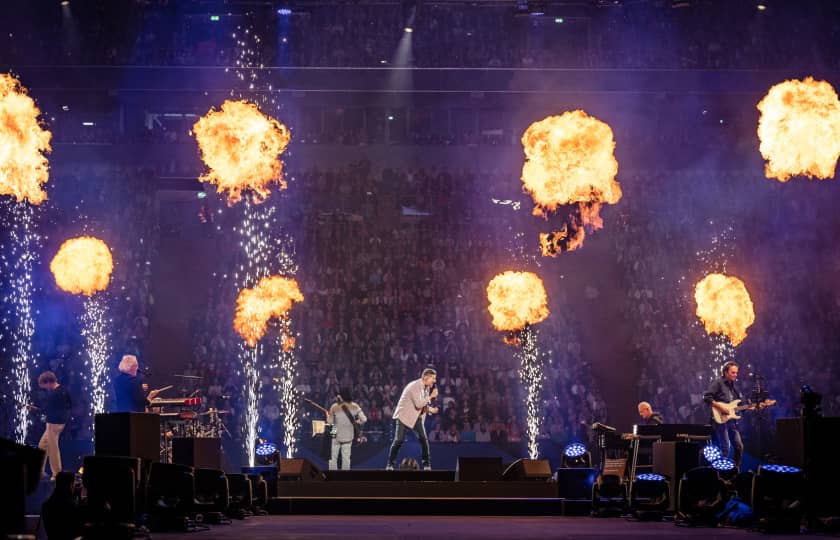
{"points": [[726, 468], [266, 453], [761, 7], [778, 498], [609, 493], [712, 453], [650, 497], [65, 3], [284, 12], [408, 29], [576, 455]]}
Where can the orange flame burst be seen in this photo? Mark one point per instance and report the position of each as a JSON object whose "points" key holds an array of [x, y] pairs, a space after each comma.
{"points": [[799, 129], [724, 306], [516, 299], [83, 265], [240, 145], [271, 298], [23, 143]]}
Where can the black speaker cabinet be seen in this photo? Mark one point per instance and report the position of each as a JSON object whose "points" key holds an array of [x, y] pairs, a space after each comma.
{"points": [[808, 444], [300, 470], [478, 469], [575, 482], [528, 469], [128, 434], [203, 452], [674, 459]]}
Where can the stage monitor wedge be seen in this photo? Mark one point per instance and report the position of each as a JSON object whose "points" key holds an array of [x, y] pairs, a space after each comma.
{"points": [[298, 470], [528, 469]]}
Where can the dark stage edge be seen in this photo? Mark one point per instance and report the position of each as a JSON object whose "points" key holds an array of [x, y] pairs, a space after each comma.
{"points": [[377, 492], [398, 527]]}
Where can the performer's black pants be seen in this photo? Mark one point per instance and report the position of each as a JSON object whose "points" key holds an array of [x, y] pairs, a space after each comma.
{"points": [[399, 437]]}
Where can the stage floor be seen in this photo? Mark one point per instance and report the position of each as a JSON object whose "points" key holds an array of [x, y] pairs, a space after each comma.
{"points": [[452, 527]]}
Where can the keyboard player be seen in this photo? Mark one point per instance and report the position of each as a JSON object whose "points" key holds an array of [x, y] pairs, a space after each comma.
{"points": [[129, 390], [648, 415]]}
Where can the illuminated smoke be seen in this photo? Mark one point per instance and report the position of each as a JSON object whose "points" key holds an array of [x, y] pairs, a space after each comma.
{"points": [[799, 129]]}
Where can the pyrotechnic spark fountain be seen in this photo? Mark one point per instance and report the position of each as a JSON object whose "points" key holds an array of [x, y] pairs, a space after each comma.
{"points": [[570, 160], [724, 306], [18, 258], [799, 129], [531, 375], [518, 300], [272, 298], [84, 265], [23, 170], [261, 169]]}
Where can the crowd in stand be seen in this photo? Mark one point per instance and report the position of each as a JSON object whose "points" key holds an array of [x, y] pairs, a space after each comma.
{"points": [[637, 35]]}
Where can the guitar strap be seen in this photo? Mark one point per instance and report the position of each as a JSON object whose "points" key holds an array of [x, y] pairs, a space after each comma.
{"points": [[356, 428]]}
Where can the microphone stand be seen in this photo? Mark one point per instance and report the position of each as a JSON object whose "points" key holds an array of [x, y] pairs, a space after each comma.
{"points": [[758, 396]]}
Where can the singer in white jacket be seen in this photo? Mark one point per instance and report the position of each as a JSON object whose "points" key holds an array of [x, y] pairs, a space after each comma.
{"points": [[415, 401]]}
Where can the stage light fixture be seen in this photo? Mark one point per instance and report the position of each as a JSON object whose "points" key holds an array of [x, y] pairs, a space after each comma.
{"points": [[778, 498], [712, 453], [702, 496], [650, 496], [576, 455], [726, 468], [408, 29], [811, 402], [285, 12], [761, 7]]}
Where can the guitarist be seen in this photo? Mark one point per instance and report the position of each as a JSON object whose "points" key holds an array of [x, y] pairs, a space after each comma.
{"points": [[347, 417], [57, 409], [410, 413], [721, 392]]}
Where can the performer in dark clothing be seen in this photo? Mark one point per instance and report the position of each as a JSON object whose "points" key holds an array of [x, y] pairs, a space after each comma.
{"points": [[651, 417], [57, 411], [129, 389], [721, 392]]}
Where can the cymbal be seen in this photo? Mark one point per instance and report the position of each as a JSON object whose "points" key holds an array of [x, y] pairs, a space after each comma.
{"points": [[213, 411]]}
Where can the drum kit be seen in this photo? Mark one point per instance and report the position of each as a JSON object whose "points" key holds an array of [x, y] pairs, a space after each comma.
{"points": [[182, 417]]}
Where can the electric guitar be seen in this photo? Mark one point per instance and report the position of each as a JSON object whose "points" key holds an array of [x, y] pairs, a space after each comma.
{"points": [[734, 407]]}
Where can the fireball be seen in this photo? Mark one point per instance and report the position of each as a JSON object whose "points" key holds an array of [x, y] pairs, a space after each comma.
{"points": [[799, 129], [240, 146], [516, 299], [569, 159], [724, 306], [23, 143], [271, 298], [83, 265]]}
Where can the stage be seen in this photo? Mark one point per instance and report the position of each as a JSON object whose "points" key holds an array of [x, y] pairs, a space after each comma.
{"points": [[395, 527]]}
